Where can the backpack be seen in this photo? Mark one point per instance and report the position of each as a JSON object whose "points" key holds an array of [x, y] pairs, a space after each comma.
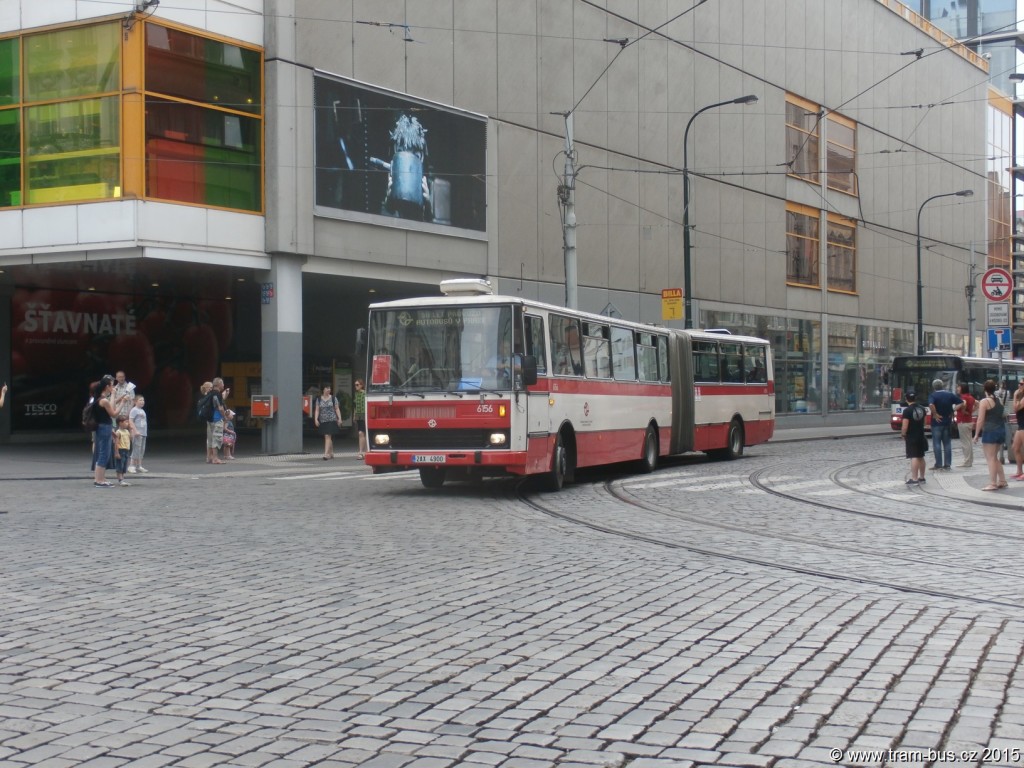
{"points": [[204, 407], [917, 412], [89, 417]]}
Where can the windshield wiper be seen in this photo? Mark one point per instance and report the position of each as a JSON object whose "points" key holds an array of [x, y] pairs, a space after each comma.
{"points": [[420, 395]]}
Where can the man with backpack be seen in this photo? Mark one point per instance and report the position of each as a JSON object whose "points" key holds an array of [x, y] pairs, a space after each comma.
{"points": [[913, 434], [211, 410]]}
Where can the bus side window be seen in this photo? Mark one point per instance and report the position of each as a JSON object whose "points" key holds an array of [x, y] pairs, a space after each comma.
{"points": [[535, 342], [646, 357], [732, 363], [566, 355], [756, 369], [623, 355], [597, 355], [663, 368], [705, 361]]}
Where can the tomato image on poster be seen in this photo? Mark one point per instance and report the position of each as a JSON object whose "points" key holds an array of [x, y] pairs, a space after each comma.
{"points": [[64, 340]]}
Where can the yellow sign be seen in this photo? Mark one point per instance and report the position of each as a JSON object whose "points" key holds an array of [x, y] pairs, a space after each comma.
{"points": [[672, 304]]}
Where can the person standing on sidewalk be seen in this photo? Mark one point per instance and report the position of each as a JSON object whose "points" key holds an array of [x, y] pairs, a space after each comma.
{"points": [[941, 403], [913, 435], [359, 414], [140, 432], [965, 425], [990, 428], [103, 445], [326, 418], [1017, 446], [215, 426]]}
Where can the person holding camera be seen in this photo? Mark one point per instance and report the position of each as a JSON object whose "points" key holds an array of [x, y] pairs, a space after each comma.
{"points": [[123, 396]]}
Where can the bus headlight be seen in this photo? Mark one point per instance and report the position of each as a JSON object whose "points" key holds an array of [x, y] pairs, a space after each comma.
{"points": [[381, 439], [497, 438]]}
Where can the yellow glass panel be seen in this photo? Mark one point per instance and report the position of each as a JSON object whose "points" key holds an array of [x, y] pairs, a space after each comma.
{"points": [[77, 61]]}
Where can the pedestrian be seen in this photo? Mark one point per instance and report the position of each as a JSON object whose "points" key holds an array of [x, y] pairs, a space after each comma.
{"points": [[359, 415], [140, 430], [123, 396], [1017, 446], [3, 394], [215, 425], [913, 434], [103, 441], [230, 436], [990, 428], [965, 425], [941, 402], [122, 448], [1004, 395], [326, 418]]}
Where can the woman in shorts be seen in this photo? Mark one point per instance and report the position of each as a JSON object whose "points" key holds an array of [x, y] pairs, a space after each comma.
{"points": [[990, 428]]}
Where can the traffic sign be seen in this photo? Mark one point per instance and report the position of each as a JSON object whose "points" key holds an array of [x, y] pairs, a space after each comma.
{"points": [[999, 339], [996, 284], [998, 314]]}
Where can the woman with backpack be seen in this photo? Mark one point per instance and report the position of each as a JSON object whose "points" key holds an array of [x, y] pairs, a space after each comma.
{"points": [[326, 418]]}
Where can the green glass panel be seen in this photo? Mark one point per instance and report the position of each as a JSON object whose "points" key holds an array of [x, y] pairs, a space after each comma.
{"points": [[73, 150], [10, 157], [9, 93], [78, 61], [202, 70]]}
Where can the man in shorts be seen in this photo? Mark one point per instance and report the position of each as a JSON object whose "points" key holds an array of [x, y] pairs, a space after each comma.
{"points": [[913, 435]]}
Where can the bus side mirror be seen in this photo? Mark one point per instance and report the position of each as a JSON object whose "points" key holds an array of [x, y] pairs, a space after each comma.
{"points": [[528, 365]]}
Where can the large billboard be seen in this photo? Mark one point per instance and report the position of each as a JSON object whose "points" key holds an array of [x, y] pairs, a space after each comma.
{"points": [[381, 154]]}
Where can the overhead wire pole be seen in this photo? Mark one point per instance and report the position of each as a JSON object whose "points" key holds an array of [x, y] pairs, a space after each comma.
{"points": [[567, 196]]}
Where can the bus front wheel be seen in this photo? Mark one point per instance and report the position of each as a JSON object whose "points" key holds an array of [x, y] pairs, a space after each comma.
{"points": [[432, 477], [555, 479]]}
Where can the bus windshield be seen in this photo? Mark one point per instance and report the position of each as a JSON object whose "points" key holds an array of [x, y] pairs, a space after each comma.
{"points": [[440, 349], [919, 379]]}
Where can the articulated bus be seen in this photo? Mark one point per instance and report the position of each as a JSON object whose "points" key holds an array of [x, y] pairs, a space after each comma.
{"points": [[470, 384], [917, 372]]}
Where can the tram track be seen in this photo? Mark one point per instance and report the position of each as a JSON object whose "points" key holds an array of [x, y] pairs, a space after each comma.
{"points": [[942, 570]]}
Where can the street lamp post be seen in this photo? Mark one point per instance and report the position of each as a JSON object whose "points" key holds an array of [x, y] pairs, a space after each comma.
{"points": [[920, 302], [687, 269]]}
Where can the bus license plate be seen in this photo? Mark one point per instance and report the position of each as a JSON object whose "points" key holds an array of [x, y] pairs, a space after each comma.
{"points": [[423, 459]]}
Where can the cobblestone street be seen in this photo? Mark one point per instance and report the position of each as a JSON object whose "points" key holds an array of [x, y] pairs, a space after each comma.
{"points": [[295, 614]]}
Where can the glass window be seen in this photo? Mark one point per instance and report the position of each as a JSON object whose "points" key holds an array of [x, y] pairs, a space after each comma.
{"points": [[663, 367], [841, 150], [802, 139], [10, 90], [73, 150], [801, 245], [842, 254], [597, 355], [76, 61], [732, 363], [646, 357], [566, 351], [705, 361], [202, 70], [755, 367], [535, 342], [623, 359], [10, 157], [203, 156]]}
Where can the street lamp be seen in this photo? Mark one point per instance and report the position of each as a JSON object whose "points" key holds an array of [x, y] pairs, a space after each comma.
{"points": [[687, 271], [920, 309]]}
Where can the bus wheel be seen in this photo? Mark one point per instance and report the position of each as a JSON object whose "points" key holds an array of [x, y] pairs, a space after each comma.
{"points": [[734, 445], [432, 477], [555, 478], [649, 459]]}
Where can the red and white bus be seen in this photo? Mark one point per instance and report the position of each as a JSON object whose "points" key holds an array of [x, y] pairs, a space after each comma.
{"points": [[471, 383]]}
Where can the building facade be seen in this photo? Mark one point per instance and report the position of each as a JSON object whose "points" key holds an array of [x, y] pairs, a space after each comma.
{"points": [[210, 186]]}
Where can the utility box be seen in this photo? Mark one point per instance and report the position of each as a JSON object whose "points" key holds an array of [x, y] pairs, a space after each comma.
{"points": [[264, 406]]}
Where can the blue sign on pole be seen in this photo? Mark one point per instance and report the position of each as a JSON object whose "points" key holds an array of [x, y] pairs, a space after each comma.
{"points": [[999, 339]]}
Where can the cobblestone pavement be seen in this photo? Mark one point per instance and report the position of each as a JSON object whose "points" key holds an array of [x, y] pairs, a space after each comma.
{"points": [[799, 607]]}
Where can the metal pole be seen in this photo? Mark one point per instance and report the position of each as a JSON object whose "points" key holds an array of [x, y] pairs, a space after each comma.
{"points": [[569, 226], [687, 266], [920, 301], [970, 303]]}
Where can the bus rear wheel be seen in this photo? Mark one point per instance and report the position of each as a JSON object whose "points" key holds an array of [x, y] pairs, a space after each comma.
{"points": [[734, 442], [649, 458], [432, 477]]}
